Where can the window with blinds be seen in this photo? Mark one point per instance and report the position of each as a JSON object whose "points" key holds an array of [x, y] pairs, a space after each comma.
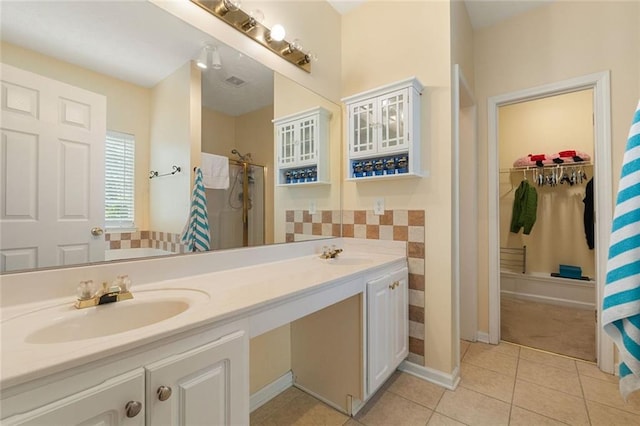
{"points": [[119, 180]]}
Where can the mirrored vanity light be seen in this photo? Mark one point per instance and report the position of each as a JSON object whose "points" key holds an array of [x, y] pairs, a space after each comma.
{"points": [[249, 24]]}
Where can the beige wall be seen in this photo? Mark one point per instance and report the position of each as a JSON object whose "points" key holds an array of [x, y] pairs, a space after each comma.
{"points": [[552, 43], [462, 40], [547, 126], [380, 47], [175, 140], [218, 132], [127, 108], [289, 97], [269, 357]]}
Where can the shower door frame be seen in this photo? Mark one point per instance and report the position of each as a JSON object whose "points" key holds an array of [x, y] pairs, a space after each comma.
{"points": [[245, 195], [600, 83]]}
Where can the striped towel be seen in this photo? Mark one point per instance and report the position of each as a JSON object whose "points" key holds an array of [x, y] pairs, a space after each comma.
{"points": [[621, 305], [196, 232]]}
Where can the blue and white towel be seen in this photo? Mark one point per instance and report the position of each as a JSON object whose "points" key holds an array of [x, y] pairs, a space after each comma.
{"points": [[621, 305], [196, 232]]}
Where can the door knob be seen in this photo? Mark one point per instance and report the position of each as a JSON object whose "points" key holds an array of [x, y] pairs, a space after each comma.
{"points": [[97, 231], [133, 408], [164, 393]]}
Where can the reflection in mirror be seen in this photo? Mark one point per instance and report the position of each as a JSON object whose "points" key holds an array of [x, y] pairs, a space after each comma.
{"points": [[161, 111]]}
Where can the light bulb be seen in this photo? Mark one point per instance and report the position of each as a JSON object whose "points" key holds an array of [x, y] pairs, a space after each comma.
{"points": [[233, 5], [277, 33], [296, 44], [257, 15], [312, 56]]}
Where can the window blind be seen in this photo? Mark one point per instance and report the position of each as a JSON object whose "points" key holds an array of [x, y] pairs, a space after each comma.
{"points": [[119, 180]]}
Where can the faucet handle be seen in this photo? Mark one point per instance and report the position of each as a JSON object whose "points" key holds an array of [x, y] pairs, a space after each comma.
{"points": [[86, 290], [124, 282]]}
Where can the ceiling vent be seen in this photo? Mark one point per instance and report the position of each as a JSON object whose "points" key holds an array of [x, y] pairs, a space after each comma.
{"points": [[235, 81]]}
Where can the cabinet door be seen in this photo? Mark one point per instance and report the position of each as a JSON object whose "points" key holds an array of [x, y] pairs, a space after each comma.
{"points": [[394, 113], [399, 300], [378, 333], [287, 136], [363, 128], [204, 386], [307, 142], [103, 405]]}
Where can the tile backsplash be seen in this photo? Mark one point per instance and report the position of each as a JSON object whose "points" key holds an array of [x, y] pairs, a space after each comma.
{"points": [[166, 241], [394, 225]]}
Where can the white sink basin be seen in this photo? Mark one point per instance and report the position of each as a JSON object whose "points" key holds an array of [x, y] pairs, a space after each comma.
{"points": [[64, 323]]}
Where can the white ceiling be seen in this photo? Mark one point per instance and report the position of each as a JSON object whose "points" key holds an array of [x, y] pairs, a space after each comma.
{"points": [[482, 13], [133, 41]]}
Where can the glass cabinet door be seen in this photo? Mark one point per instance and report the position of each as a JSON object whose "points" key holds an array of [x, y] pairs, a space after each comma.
{"points": [[307, 144], [393, 126], [286, 148], [362, 125]]}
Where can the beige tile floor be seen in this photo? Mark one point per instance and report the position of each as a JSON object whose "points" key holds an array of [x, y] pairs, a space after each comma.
{"points": [[501, 385]]}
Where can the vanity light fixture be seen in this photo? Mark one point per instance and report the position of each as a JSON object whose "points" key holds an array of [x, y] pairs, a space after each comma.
{"points": [[250, 25], [203, 61], [225, 6], [216, 63]]}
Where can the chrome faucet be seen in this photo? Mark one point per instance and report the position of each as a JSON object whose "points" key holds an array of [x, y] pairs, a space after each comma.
{"points": [[88, 296], [330, 253]]}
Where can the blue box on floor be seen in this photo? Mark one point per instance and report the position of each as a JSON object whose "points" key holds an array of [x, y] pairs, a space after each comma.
{"points": [[570, 271]]}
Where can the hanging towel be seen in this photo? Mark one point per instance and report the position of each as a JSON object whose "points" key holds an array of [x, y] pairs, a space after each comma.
{"points": [[215, 171], [196, 232], [621, 304], [525, 204]]}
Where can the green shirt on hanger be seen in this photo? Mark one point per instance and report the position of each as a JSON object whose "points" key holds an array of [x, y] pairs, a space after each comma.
{"points": [[525, 205]]}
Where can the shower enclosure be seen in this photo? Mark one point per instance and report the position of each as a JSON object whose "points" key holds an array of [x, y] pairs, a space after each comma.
{"points": [[236, 214]]}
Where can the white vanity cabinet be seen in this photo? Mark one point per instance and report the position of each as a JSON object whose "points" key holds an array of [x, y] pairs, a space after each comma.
{"points": [[302, 147], [198, 387], [182, 382], [387, 326], [116, 401], [384, 131]]}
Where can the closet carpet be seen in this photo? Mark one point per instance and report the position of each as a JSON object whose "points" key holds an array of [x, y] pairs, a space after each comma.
{"points": [[557, 329]]}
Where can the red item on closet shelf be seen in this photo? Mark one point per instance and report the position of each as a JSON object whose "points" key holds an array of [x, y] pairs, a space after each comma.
{"points": [[570, 153], [537, 157]]}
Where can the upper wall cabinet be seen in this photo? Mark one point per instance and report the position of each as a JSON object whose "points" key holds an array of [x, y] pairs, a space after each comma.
{"points": [[302, 147], [384, 131]]}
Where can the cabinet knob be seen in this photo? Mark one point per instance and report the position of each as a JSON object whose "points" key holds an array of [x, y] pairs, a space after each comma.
{"points": [[164, 393], [394, 285], [133, 408]]}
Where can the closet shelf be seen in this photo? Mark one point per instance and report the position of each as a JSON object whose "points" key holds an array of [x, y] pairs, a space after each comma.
{"points": [[547, 167]]}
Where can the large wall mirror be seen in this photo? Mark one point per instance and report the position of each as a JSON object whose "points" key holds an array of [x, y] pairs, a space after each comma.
{"points": [[160, 112]]}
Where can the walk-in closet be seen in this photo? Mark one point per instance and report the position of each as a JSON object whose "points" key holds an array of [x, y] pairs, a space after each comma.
{"points": [[547, 258]]}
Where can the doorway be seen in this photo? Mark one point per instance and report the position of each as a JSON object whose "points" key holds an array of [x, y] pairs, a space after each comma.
{"points": [[547, 262], [600, 83]]}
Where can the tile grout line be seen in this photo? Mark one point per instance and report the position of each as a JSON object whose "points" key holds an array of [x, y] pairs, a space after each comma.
{"points": [[584, 398], [515, 380]]}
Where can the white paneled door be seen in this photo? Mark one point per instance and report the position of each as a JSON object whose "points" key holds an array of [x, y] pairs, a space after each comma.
{"points": [[51, 171]]}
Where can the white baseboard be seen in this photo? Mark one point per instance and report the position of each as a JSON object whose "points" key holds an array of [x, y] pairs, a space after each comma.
{"points": [[270, 391], [449, 381], [482, 336]]}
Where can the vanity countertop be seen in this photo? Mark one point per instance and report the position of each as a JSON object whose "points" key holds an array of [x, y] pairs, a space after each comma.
{"points": [[218, 297]]}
